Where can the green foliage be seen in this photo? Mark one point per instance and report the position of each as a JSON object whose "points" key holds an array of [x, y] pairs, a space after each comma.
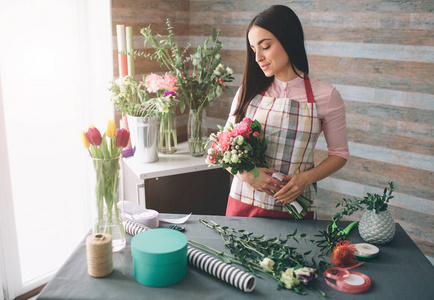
{"points": [[249, 250], [207, 77]]}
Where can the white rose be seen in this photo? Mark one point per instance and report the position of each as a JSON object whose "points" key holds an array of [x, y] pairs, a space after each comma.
{"points": [[267, 264], [235, 158]]}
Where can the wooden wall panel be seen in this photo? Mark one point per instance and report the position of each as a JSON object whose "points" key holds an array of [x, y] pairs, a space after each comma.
{"points": [[380, 56]]}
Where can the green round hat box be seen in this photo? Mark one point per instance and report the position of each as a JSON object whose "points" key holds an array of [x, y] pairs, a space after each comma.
{"points": [[159, 257]]}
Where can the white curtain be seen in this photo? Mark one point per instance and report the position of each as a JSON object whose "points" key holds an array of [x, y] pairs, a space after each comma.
{"points": [[55, 66]]}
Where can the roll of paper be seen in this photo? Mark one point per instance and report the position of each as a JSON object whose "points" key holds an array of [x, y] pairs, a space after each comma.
{"points": [[122, 46], [213, 266], [130, 50], [221, 270]]}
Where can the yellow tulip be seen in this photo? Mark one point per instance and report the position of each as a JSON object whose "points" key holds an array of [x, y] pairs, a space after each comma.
{"points": [[111, 128], [84, 140]]}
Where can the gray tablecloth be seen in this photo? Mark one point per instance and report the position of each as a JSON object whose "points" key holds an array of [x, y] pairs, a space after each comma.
{"points": [[400, 272]]}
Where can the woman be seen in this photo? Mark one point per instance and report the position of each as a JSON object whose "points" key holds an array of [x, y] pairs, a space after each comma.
{"points": [[293, 110]]}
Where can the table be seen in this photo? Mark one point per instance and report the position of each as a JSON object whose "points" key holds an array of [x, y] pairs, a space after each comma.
{"points": [[400, 272], [185, 175]]}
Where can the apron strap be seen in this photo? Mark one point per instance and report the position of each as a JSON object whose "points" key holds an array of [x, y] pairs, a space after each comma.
{"points": [[307, 86]]}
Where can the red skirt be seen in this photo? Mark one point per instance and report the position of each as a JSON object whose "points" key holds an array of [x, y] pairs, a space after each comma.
{"points": [[237, 208]]}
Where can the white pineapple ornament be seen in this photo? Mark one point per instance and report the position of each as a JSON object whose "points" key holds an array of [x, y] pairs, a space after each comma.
{"points": [[377, 225], [377, 228]]}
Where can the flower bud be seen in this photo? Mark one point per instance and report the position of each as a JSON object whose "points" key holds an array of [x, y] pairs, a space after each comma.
{"points": [[94, 136], [122, 138], [111, 128], [84, 140]]}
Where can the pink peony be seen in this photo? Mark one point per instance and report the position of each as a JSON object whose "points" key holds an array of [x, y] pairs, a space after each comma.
{"points": [[154, 83], [170, 82], [224, 140], [242, 128]]}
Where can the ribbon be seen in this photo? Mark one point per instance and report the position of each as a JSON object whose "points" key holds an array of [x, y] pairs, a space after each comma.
{"points": [[347, 281]]}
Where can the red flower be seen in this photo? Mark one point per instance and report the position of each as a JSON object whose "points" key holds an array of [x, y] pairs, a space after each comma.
{"points": [[122, 138], [255, 134], [343, 254], [94, 136]]}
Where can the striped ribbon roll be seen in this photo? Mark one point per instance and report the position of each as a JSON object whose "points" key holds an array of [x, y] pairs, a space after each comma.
{"points": [[223, 271], [213, 266], [134, 228]]}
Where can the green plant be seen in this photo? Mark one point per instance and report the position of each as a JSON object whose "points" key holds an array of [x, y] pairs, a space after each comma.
{"points": [[332, 234], [129, 97]]}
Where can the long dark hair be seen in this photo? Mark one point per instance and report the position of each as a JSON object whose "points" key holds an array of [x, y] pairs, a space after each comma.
{"points": [[284, 24]]}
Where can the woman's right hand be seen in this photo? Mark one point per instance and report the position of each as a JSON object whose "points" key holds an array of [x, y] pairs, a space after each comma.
{"points": [[264, 182]]}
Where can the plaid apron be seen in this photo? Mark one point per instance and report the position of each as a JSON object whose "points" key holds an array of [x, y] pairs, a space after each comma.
{"points": [[292, 129]]}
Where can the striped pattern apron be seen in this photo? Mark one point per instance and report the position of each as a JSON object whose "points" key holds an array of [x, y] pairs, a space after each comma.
{"points": [[292, 129]]}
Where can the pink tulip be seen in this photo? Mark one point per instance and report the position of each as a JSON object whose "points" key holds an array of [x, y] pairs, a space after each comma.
{"points": [[94, 136], [122, 138]]}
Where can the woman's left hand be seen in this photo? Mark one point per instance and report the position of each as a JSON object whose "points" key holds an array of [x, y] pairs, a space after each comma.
{"points": [[296, 184]]}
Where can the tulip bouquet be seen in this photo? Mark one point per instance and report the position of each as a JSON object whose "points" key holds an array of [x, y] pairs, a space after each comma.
{"points": [[105, 151], [240, 148], [272, 256]]}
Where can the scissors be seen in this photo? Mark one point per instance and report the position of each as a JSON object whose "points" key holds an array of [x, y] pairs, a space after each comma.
{"points": [[177, 227]]}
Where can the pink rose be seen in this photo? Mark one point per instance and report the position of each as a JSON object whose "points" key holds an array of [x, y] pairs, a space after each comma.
{"points": [[255, 134], [224, 140], [242, 128], [247, 120]]}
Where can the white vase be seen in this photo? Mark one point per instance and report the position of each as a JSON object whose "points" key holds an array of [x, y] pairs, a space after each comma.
{"points": [[377, 228]]}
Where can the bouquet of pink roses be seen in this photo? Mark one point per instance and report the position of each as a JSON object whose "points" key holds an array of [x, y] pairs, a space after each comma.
{"points": [[240, 148]]}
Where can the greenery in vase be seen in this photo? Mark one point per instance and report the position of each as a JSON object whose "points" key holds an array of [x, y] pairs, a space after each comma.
{"points": [[129, 97], [332, 234], [200, 75], [272, 256], [105, 151]]}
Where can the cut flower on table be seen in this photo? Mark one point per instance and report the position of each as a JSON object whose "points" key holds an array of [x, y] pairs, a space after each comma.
{"points": [[271, 256]]}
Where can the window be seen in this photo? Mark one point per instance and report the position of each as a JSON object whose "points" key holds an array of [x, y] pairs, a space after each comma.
{"points": [[55, 66]]}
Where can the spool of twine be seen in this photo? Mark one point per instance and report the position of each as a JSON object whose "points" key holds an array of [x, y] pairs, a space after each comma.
{"points": [[99, 255]]}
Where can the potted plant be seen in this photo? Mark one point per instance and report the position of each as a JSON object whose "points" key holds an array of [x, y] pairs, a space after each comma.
{"points": [[376, 224]]}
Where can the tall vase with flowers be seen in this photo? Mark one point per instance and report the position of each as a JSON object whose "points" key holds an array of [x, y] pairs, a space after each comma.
{"points": [[200, 76], [164, 104], [105, 152]]}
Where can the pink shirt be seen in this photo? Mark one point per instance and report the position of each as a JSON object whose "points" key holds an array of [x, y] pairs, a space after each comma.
{"points": [[329, 104]]}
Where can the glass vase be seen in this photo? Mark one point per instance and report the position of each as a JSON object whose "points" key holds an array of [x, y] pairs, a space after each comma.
{"points": [[168, 138], [197, 132], [109, 218]]}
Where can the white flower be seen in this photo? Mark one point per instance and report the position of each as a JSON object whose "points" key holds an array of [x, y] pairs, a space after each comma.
{"points": [[235, 158], [239, 140], [229, 70], [305, 275], [288, 279], [267, 264]]}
